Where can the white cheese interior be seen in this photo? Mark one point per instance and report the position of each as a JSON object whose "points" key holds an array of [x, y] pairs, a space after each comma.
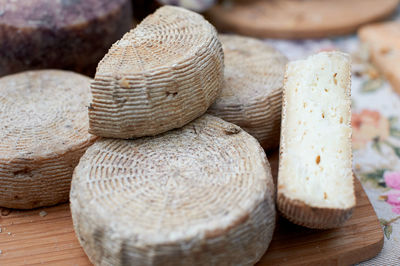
{"points": [[316, 142]]}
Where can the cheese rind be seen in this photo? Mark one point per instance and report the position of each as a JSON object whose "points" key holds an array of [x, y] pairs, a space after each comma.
{"points": [[316, 157], [251, 95], [161, 75], [193, 196], [43, 131]]}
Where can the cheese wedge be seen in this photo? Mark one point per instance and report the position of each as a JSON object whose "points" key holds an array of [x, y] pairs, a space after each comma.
{"points": [[199, 195], [315, 181]]}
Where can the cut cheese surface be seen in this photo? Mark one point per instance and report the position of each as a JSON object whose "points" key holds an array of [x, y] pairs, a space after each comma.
{"points": [[316, 155], [191, 196]]}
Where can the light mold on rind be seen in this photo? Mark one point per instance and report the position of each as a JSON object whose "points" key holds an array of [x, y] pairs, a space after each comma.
{"points": [[44, 132], [315, 181], [161, 75], [199, 195], [251, 95]]}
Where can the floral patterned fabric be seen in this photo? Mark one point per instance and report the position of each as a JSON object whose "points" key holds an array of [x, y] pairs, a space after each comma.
{"points": [[376, 134]]}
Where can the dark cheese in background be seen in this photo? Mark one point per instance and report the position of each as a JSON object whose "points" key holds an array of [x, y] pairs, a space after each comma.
{"points": [[65, 34]]}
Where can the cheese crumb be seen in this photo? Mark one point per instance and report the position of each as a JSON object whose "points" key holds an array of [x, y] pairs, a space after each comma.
{"points": [[42, 213]]}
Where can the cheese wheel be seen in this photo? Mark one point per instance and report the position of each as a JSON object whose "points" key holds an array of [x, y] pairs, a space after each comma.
{"points": [[315, 180], [43, 131], [67, 34], [251, 95], [161, 75], [294, 19], [199, 195], [383, 42]]}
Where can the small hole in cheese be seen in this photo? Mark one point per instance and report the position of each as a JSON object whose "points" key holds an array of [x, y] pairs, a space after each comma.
{"points": [[334, 78], [318, 160]]}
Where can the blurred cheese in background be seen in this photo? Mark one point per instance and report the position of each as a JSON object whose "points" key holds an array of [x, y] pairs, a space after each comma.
{"points": [[294, 19], [383, 42], [67, 34], [195, 5]]}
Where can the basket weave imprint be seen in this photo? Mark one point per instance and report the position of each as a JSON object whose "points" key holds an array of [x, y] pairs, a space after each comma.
{"points": [[199, 195], [43, 130], [159, 76], [252, 89]]}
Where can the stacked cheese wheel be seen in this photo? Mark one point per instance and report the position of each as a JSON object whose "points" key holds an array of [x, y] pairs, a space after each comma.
{"points": [[174, 186], [252, 89], [192, 196]]}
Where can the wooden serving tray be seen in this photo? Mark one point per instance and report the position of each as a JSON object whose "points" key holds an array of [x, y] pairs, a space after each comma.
{"points": [[46, 236], [294, 19]]}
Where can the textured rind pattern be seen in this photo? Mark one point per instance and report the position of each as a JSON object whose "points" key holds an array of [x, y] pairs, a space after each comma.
{"points": [[67, 34], [297, 211], [161, 75], [199, 195], [302, 214], [251, 95], [43, 128]]}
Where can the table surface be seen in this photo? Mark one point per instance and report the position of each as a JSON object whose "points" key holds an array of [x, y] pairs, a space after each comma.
{"points": [[46, 236]]}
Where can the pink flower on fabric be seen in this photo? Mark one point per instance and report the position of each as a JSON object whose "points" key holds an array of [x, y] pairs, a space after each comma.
{"points": [[392, 179], [396, 210], [393, 198]]}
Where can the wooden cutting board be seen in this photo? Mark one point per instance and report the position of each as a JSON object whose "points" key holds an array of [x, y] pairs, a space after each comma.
{"points": [[46, 236], [295, 19]]}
